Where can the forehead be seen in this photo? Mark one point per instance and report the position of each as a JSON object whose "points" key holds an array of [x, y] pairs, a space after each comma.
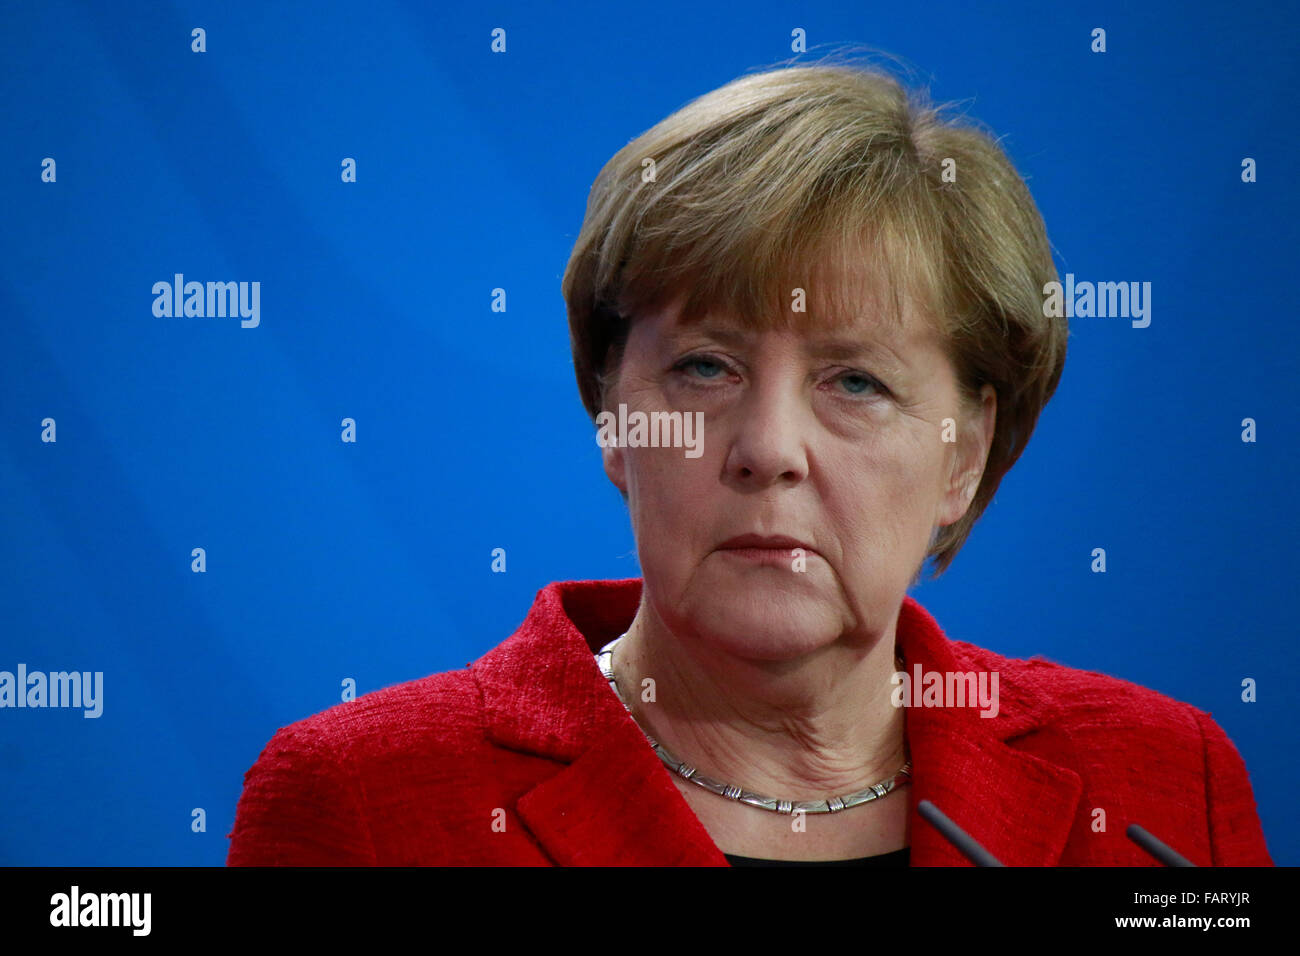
{"points": [[868, 288]]}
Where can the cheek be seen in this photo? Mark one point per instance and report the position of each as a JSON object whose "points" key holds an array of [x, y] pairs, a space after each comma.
{"points": [[667, 491], [880, 494], [671, 517]]}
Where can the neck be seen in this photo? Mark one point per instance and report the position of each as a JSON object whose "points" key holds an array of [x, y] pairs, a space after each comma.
{"points": [[817, 726]]}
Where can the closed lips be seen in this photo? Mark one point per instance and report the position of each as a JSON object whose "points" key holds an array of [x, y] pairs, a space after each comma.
{"points": [[768, 542]]}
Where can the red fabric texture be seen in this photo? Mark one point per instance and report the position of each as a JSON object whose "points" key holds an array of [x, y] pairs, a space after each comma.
{"points": [[526, 757]]}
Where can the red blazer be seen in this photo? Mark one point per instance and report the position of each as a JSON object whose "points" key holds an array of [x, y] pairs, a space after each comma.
{"points": [[527, 757]]}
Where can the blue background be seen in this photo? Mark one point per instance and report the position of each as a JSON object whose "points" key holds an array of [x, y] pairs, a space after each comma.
{"points": [[372, 560]]}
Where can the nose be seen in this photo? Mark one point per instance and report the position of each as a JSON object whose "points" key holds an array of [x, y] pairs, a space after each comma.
{"points": [[769, 438]]}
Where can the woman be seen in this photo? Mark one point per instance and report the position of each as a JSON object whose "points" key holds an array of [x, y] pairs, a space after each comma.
{"points": [[846, 289]]}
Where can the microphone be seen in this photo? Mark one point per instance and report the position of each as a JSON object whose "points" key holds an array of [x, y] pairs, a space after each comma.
{"points": [[1157, 849], [959, 838]]}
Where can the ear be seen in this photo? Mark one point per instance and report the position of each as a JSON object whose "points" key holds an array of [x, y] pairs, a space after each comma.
{"points": [[613, 460], [611, 455], [968, 458]]}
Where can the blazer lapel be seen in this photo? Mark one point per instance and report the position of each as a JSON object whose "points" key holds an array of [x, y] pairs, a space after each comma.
{"points": [[614, 803]]}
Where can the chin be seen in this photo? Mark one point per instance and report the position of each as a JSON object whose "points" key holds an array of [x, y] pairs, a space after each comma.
{"points": [[762, 624]]}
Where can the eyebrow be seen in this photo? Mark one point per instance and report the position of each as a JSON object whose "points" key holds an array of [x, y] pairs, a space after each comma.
{"points": [[838, 348], [727, 335]]}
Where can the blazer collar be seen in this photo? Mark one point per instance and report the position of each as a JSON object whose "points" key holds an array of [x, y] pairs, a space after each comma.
{"points": [[543, 694]]}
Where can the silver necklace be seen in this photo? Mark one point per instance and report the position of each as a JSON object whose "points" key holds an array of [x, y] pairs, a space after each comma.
{"points": [[605, 661]]}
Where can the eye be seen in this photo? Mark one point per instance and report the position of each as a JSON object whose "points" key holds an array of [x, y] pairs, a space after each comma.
{"points": [[706, 367], [859, 383]]}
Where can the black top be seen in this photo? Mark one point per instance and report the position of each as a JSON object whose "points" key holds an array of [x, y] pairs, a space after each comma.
{"points": [[896, 858]]}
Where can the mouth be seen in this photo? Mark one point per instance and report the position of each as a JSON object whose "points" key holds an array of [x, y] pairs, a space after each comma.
{"points": [[764, 547]]}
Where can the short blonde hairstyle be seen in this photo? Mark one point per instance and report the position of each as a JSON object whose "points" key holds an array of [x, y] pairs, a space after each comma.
{"points": [[784, 178]]}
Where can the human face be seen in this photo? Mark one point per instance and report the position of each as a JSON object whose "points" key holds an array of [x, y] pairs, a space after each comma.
{"points": [[834, 440]]}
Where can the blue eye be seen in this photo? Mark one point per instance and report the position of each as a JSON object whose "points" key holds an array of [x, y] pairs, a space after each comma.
{"points": [[696, 362], [861, 383]]}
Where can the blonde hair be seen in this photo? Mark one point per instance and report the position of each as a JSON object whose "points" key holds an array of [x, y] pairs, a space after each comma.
{"points": [[764, 184]]}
